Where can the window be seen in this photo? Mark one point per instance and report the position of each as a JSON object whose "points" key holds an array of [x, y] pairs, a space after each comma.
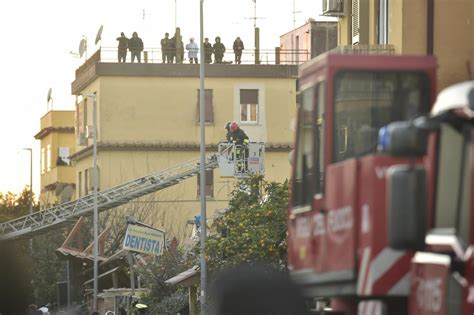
{"points": [[454, 184], [63, 156], [209, 108], [81, 117], [86, 182], [366, 101], [79, 186], [304, 159], [43, 161], [248, 106], [48, 158], [209, 184]]}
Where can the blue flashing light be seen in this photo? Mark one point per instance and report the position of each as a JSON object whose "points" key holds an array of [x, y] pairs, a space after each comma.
{"points": [[384, 139]]}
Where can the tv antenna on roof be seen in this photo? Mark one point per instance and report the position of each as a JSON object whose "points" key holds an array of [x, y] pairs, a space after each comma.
{"points": [[255, 18], [83, 46], [49, 98], [99, 34], [294, 13]]}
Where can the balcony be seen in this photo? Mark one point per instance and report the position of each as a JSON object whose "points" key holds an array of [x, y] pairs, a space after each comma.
{"points": [[58, 174]]}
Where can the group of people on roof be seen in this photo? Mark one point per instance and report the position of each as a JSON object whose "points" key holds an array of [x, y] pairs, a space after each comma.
{"points": [[172, 49]]}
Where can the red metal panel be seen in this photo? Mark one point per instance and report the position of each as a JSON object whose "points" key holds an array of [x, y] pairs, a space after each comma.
{"points": [[428, 289], [299, 241], [382, 270], [335, 234]]}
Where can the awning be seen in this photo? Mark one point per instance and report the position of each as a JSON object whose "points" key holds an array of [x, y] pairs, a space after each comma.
{"points": [[187, 278]]}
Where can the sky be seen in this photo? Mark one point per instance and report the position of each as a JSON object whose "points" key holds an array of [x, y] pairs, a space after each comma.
{"points": [[41, 41]]}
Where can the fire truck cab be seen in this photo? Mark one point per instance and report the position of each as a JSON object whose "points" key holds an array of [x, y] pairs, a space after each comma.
{"points": [[338, 245], [442, 270]]}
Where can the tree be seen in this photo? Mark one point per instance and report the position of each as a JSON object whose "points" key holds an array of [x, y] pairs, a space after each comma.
{"points": [[163, 298], [27, 277], [254, 228]]}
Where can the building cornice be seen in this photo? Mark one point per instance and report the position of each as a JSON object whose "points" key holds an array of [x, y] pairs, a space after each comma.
{"points": [[46, 131], [162, 146], [92, 71]]}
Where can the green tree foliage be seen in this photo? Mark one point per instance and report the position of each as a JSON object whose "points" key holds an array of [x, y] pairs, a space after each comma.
{"points": [[13, 206], [164, 298], [254, 228]]}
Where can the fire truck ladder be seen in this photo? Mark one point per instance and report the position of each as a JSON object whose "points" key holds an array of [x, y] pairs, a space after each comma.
{"points": [[63, 214]]}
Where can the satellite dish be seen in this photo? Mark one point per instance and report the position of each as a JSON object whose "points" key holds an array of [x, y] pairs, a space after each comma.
{"points": [[99, 34], [49, 95], [82, 47]]}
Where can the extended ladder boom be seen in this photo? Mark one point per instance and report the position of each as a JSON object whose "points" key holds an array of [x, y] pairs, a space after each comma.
{"points": [[60, 215]]}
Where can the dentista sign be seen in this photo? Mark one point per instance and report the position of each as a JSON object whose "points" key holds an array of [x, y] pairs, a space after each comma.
{"points": [[144, 240]]}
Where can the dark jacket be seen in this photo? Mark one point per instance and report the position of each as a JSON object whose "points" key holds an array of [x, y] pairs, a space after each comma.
{"points": [[123, 43], [238, 136], [208, 48], [165, 44], [219, 49], [238, 46], [135, 44]]}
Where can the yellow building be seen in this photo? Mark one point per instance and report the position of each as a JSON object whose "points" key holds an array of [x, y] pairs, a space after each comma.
{"points": [[148, 121], [444, 28], [57, 144]]}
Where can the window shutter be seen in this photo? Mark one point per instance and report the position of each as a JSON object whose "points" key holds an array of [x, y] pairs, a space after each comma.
{"points": [[209, 108], [248, 96], [355, 21]]}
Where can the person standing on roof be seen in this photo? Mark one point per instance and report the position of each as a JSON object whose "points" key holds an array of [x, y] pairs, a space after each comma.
{"points": [[219, 50], [237, 135], [165, 48], [122, 47], [207, 50], [238, 47], [193, 50], [135, 45]]}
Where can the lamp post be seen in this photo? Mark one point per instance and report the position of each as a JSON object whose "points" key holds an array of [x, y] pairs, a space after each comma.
{"points": [[95, 180], [31, 179], [30, 197], [202, 171]]}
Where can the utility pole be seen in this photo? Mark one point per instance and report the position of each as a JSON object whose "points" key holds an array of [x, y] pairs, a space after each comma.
{"points": [[202, 170]]}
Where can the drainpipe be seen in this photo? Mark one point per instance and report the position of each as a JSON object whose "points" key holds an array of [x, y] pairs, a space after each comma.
{"points": [[430, 27]]}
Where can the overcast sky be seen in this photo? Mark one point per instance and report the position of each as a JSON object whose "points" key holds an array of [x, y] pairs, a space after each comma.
{"points": [[38, 37]]}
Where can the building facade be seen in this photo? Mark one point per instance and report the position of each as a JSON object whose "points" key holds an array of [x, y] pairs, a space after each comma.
{"points": [[308, 41], [57, 143], [148, 120], [434, 27]]}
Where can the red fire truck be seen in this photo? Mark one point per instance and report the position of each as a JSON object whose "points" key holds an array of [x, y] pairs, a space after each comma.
{"points": [[379, 232]]}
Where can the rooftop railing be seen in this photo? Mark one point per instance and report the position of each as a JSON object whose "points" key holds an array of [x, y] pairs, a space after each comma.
{"points": [[264, 56]]}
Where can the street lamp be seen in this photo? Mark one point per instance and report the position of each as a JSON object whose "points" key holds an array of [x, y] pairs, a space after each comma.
{"points": [[30, 197], [95, 180], [31, 178]]}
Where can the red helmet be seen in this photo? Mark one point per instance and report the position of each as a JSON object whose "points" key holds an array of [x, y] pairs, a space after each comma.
{"points": [[234, 126]]}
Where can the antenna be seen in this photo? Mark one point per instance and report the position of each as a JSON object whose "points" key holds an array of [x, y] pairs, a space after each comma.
{"points": [[49, 98], [83, 47], [294, 13], [99, 34], [255, 18]]}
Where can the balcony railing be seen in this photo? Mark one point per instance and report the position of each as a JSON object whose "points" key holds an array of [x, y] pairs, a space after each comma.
{"points": [[364, 49]]}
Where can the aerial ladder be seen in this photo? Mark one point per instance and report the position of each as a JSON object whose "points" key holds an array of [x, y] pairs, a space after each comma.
{"points": [[233, 160]]}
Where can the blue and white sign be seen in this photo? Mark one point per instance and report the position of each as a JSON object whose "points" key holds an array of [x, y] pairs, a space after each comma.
{"points": [[144, 240]]}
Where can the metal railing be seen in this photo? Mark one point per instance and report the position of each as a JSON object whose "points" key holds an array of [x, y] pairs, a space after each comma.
{"points": [[265, 56]]}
